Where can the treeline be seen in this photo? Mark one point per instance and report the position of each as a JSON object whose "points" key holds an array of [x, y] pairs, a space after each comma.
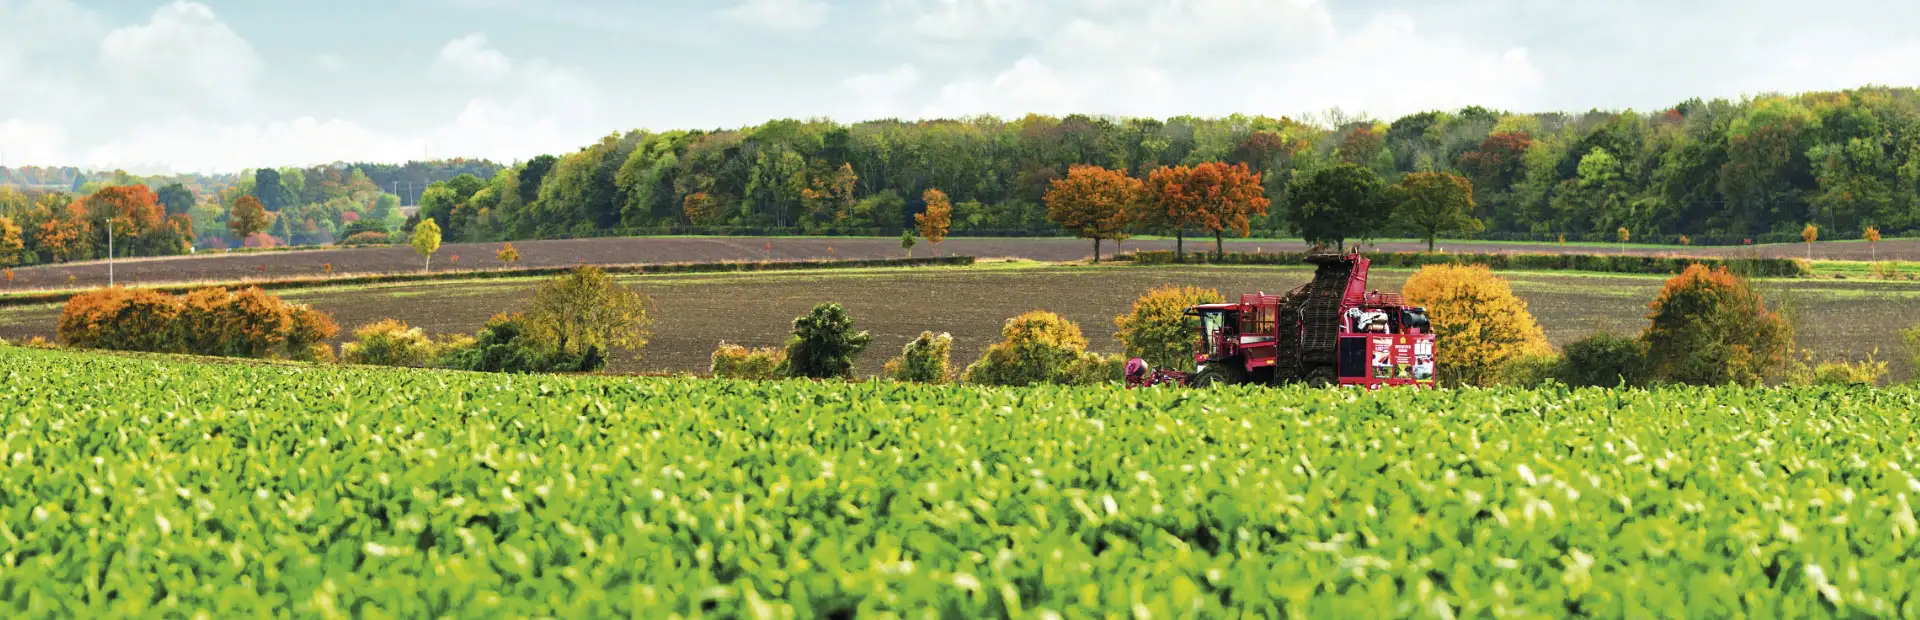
{"points": [[1705, 172], [166, 215], [1717, 171]]}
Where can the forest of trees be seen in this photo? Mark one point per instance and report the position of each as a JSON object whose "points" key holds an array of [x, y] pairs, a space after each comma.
{"points": [[1718, 172]]}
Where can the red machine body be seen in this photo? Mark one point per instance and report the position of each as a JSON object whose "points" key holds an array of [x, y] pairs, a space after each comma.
{"points": [[1330, 331]]}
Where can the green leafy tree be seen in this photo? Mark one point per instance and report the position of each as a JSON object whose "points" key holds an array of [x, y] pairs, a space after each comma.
{"points": [[824, 344], [1433, 203], [1341, 202], [272, 195], [176, 199]]}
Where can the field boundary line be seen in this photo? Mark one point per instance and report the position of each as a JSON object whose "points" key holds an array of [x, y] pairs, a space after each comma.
{"points": [[61, 295]]}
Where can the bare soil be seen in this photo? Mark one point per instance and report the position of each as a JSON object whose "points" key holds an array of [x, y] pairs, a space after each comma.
{"points": [[623, 250], [1835, 319]]}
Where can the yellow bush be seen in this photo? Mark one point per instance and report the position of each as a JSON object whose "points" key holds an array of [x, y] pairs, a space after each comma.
{"points": [[1039, 347], [1154, 329], [1864, 373], [390, 343], [924, 360], [1481, 325], [732, 361]]}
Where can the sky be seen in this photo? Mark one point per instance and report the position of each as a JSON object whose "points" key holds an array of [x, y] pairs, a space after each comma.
{"points": [[154, 86]]}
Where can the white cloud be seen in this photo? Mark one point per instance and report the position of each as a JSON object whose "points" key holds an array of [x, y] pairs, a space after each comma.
{"points": [[780, 14], [472, 58], [967, 20], [23, 142], [184, 49], [1209, 57], [330, 62], [878, 94]]}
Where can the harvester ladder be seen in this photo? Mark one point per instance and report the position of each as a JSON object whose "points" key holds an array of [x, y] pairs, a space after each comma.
{"points": [[1320, 315]]}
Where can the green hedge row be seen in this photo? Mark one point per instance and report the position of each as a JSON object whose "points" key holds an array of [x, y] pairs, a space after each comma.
{"points": [[1605, 263], [521, 272]]}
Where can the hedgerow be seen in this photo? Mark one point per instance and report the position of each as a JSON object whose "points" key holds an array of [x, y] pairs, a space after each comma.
{"points": [[210, 321], [1605, 263]]}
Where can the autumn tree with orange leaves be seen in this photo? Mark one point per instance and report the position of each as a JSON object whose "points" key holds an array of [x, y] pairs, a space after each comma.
{"points": [[139, 222], [247, 217], [933, 223], [1094, 203], [1212, 197]]}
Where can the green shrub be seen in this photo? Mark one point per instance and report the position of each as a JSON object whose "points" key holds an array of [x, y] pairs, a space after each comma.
{"points": [[1708, 327], [367, 238], [1155, 329], [732, 361], [1529, 371], [509, 344], [364, 225], [1604, 360], [1039, 347], [823, 344], [926, 359], [391, 343]]}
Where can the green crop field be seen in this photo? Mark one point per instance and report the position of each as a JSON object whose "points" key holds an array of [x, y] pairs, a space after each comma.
{"points": [[137, 486]]}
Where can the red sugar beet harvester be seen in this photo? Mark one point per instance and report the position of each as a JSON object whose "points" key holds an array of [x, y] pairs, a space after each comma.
{"points": [[1329, 331]]}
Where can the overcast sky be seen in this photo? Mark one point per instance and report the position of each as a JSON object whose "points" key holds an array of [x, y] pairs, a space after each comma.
{"points": [[220, 85]]}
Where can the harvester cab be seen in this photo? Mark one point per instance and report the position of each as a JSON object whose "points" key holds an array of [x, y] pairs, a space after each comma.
{"points": [[1332, 330]]}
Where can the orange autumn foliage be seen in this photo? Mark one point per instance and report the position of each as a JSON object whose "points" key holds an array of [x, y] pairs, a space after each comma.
{"points": [[1708, 327], [1213, 198], [212, 321], [122, 319], [933, 223], [1094, 203]]}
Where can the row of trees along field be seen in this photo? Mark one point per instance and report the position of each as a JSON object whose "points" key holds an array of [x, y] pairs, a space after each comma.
{"points": [[1717, 172], [59, 214]]}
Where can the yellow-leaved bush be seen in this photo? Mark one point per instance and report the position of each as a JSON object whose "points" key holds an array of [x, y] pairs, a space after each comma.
{"points": [[1041, 347], [732, 361], [1155, 330], [1480, 324], [389, 342]]}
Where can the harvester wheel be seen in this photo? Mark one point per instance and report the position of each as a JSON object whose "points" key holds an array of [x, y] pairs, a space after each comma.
{"points": [[1321, 376], [1215, 374]]}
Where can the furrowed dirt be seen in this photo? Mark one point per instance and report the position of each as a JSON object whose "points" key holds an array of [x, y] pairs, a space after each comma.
{"points": [[627, 250], [1836, 319]]}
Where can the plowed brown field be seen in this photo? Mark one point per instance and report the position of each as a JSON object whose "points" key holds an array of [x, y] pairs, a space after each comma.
{"points": [[623, 250], [1839, 319]]}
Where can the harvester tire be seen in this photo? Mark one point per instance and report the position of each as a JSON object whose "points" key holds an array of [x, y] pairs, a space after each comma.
{"points": [[1322, 376], [1216, 374]]}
